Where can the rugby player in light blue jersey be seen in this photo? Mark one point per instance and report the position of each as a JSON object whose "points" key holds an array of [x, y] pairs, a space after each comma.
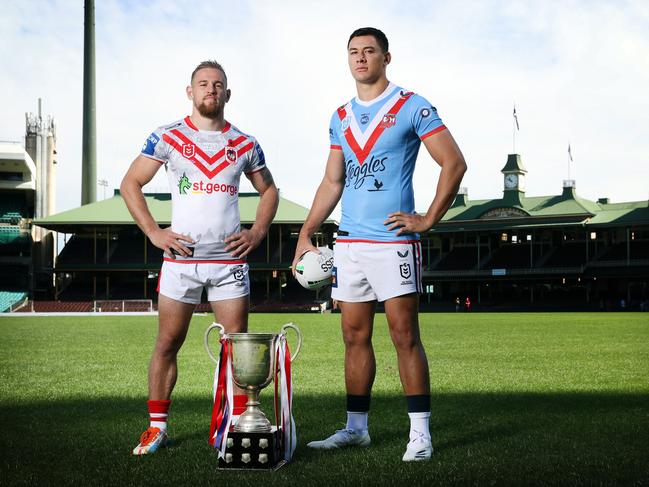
{"points": [[375, 139]]}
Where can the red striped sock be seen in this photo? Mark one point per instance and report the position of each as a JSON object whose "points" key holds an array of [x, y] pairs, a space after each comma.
{"points": [[239, 406], [158, 412]]}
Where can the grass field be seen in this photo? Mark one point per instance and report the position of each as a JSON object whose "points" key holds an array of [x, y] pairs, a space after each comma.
{"points": [[517, 399]]}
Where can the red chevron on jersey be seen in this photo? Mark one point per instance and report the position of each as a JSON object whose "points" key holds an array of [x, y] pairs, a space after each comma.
{"points": [[388, 120], [200, 165], [195, 150], [200, 152]]}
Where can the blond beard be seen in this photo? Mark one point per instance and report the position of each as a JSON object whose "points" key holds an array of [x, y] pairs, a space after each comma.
{"points": [[212, 112]]}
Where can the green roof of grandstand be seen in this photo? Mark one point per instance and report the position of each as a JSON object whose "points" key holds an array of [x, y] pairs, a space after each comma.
{"points": [[513, 210], [113, 211], [519, 211]]}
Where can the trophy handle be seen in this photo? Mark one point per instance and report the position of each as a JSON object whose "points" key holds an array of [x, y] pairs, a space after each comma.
{"points": [[299, 338], [207, 333]]}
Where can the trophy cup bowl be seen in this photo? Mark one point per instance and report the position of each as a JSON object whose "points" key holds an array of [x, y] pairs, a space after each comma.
{"points": [[253, 367]]}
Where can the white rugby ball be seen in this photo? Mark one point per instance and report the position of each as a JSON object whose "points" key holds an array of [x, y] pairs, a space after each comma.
{"points": [[313, 271]]}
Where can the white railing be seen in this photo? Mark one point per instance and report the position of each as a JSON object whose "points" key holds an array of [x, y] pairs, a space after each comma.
{"points": [[122, 305]]}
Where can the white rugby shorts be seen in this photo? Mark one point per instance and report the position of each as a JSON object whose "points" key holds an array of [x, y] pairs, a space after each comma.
{"points": [[184, 280], [365, 271]]}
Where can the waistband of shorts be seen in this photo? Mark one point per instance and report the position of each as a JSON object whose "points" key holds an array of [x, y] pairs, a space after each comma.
{"points": [[204, 261], [366, 240]]}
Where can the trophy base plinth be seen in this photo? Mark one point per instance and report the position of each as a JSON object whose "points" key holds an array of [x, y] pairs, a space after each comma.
{"points": [[253, 451]]}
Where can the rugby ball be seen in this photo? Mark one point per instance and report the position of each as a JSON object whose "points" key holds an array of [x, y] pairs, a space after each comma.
{"points": [[313, 271]]}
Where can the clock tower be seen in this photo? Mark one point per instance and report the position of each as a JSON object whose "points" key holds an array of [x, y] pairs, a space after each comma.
{"points": [[514, 174], [514, 179]]}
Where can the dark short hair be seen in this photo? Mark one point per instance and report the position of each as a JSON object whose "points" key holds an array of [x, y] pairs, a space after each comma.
{"points": [[371, 31], [209, 64]]}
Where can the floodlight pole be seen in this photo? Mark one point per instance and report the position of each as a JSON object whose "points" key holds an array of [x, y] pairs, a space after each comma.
{"points": [[89, 142]]}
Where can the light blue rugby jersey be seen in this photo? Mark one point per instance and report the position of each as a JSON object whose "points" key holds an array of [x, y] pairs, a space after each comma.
{"points": [[380, 140]]}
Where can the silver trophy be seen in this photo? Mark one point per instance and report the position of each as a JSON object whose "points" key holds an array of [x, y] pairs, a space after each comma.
{"points": [[253, 367]]}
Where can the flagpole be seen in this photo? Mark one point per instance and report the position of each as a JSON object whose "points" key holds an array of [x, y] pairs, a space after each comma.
{"points": [[514, 131], [515, 128]]}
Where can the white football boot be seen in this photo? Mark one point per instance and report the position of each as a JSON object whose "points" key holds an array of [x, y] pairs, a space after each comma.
{"points": [[418, 449], [150, 441], [342, 438]]}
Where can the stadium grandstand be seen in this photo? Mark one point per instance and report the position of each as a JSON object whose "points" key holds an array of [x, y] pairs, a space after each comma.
{"points": [[559, 252], [27, 186], [107, 258], [518, 251], [17, 187]]}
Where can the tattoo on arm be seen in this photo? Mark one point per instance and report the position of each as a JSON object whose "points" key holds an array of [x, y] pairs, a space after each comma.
{"points": [[266, 176]]}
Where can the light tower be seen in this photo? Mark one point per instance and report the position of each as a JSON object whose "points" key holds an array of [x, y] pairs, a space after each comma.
{"points": [[89, 143]]}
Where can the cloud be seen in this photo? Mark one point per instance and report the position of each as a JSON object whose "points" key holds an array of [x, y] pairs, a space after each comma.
{"points": [[577, 71]]}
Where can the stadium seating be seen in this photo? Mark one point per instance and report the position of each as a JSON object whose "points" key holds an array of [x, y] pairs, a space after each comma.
{"points": [[10, 298], [640, 250], [13, 236], [618, 252], [461, 258], [80, 250], [570, 254], [11, 210], [510, 256]]}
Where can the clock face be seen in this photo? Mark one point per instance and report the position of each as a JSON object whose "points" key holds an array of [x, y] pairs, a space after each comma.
{"points": [[511, 181]]}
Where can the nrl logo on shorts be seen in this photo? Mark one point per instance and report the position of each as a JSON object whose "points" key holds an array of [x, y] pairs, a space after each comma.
{"points": [[231, 155], [404, 270], [189, 150], [389, 119]]}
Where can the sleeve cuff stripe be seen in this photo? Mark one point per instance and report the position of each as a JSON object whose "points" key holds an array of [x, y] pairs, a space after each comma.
{"points": [[433, 132], [154, 158], [254, 171]]}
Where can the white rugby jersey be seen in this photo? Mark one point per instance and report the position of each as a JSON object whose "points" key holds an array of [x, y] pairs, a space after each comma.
{"points": [[204, 168]]}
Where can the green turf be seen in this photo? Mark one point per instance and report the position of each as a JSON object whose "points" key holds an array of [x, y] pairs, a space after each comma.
{"points": [[517, 399]]}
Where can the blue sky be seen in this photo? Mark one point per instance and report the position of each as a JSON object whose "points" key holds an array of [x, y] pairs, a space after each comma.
{"points": [[577, 71]]}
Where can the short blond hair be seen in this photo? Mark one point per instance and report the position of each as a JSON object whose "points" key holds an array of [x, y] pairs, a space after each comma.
{"points": [[209, 64]]}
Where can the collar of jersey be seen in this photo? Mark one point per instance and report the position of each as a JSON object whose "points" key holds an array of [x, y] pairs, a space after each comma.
{"points": [[190, 124], [391, 86]]}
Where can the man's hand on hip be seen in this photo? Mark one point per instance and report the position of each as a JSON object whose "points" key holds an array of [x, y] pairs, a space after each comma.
{"points": [[240, 244], [407, 223], [166, 239]]}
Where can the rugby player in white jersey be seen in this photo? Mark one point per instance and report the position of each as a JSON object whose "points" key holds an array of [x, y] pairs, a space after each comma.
{"points": [[375, 139], [205, 246]]}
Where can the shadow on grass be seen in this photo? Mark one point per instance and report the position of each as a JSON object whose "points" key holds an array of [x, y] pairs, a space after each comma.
{"points": [[567, 438]]}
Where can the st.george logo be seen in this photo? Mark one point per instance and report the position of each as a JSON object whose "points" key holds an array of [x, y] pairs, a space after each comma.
{"points": [[231, 155], [404, 270], [184, 184], [189, 150]]}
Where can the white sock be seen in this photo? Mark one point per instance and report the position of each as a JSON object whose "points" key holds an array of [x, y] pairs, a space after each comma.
{"points": [[160, 423], [356, 421], [419, 425]]}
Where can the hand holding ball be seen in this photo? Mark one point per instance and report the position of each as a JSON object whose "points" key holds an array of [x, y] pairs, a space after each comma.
{"points": [[313, 271]]}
